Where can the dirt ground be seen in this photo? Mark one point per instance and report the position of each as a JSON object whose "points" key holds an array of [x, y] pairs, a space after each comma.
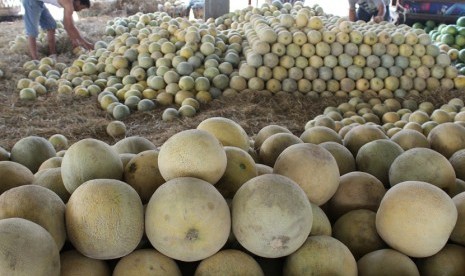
{"points": [[79, 118]]}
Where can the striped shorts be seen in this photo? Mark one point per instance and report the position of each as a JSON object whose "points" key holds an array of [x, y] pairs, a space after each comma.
{"points": [[35, 14]]}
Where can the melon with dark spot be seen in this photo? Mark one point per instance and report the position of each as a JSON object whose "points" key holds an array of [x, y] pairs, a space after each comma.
{"points": [[271, 216]]}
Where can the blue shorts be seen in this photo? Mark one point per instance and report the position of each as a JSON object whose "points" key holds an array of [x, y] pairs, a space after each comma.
{"points": [[35, 14]]}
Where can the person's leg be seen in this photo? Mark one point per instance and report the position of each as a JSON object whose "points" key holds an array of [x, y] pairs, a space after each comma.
{"points": [[363, 15], [387, 14], [47, 22], [32, 11]]}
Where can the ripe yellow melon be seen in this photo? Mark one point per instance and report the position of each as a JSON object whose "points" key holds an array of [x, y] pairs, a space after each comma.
{"points": [[227, 131], [458, 234], [416, 218], [133, 144], [266, 132], [229, 262], [386, 262], [321, 255], [104, 219], [408, 139], [344, 158], [262, 201], [376, 157], [13, 175], [116, 129], [274, 145], [194, 153], [28, 249], [239, 169], [357, 230], [357, 190], [187, 219], [321, 224], [422, 164], [146, 262], [320, 134], [58, 141], [52, 162], [457, 161], [142, 173], [360, 135], [24, 201], [313, 168], [74, 263], [447, 138], [89, 159], [51, 179], [31, 151], [263, 169]]}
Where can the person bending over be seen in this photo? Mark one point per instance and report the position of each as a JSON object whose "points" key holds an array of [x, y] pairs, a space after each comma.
{"points": [[36, 13], [367, 9]]}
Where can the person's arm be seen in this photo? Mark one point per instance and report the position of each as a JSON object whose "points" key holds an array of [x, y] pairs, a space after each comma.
{"points": [[352, 16], [381, 11], [68, 23]]}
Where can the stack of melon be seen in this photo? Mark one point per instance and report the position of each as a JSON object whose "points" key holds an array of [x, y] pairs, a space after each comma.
{"points": [[347, 195], [278, 48]]}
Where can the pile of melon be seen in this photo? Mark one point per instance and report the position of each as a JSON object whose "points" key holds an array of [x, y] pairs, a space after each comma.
{"points": [[154, 59], [367, 188]]}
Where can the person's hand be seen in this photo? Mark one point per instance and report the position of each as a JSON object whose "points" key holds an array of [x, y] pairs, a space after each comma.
{"points": [[80, 42], [378, 19]]}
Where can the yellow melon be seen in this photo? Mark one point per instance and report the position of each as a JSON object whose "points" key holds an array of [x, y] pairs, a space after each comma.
{"points": [[422, 164], [89, 159], [229, 262], [133, 144], [357, 190], [146, 262], [266, 132], [321, 255], [104, 219], [227, 131], [263, 169], [187, 219], [52, 162], [447, 138], [194, 153], [116, 129], [313, 168], [29, 249], [386, 262], [274, 145], [13, 175], [239, 169], [449, 261], [142, 173], [408, 139], [416, 218], [321, 224], [58, 141], [357, 230], [360, 135], [320, 134], [51, 179], [31, 151], [74, 263], [256, 207], [458, 234]]}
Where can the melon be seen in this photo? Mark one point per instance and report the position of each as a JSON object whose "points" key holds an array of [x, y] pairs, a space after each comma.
{"points": [[386, 262], [194, 153], [344, 158], [146, 262], [28, 249], [228, 132], [89, 159], [357, 230], [187, 219], [31, 151], [256, 207], [356, 190], [142, 173], [133, 144], [13, 175], [449, 261], [422, 164], [321, 224], [447, 138], [229, 262], [358, 136], [266, 132], [320, 134], [313, 168], [321, 255], [72, 262], [116, 129], [59, 141], [51, 163], [408, 139], [240, 168], [51, 179], [416, 218], [104, 219], [458, 234]]}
